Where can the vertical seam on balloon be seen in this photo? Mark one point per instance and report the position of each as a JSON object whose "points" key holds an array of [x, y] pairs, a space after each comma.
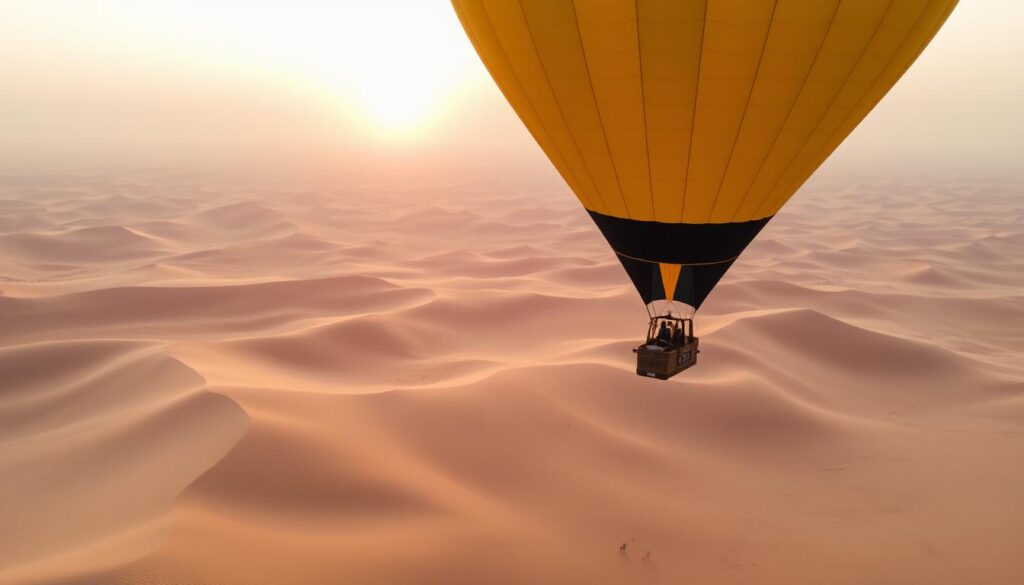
{"points": [[792, 108], [558, 105], [768, 194], [693, 119], [924, 44], [597, 108], [746, 108], [526, 94], [643, 106]]}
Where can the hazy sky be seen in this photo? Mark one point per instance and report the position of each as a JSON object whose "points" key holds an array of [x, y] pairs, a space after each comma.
{"points": [[197, 82]]}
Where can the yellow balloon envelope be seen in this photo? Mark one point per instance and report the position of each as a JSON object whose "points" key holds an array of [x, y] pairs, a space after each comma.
{"points": [[683, 126]]}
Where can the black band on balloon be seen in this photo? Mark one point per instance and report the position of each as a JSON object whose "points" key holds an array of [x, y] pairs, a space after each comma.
{"points": [[677, 243]]}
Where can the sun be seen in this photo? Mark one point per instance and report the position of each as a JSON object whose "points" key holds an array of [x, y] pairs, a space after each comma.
{"points": [[395, 63], [391, 65]]}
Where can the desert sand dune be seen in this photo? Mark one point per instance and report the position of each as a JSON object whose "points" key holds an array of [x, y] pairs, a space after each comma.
{"points": [[98, 438], [346, 380]]}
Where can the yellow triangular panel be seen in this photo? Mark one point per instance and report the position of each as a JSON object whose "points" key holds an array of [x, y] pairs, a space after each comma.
{"points": [[669, 278]]}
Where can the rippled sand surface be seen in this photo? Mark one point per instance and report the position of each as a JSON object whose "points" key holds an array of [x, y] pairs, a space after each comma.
{"points": [[211, 381]]}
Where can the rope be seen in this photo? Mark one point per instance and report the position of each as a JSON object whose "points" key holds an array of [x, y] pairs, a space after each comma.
{"points": [[679, 263]]}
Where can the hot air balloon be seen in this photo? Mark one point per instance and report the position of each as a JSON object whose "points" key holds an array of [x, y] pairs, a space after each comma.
{"points": [[683, 126]]}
